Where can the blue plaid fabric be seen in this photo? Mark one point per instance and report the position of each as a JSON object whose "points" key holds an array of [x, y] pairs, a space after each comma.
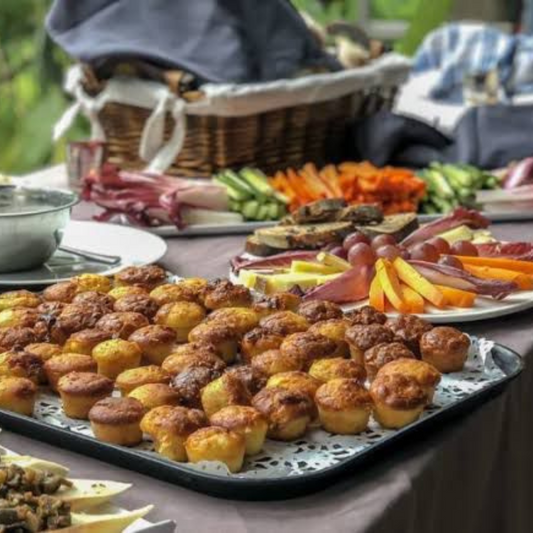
{"points": [[459, 49]]}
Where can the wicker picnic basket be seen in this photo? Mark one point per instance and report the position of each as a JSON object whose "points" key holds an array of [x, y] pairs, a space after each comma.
{"points": [[271, 126]]}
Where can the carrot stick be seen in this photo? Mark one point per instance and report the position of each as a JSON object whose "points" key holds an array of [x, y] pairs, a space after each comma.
{"points": [[376, 295], [457, 297], [526, 267], [413, 299], [523, 281]]}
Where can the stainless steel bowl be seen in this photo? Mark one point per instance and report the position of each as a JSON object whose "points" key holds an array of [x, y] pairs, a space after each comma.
{"points": [[32, 221]]}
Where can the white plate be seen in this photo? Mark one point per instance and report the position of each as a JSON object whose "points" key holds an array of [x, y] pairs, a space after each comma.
{"points": [[134, 246]]}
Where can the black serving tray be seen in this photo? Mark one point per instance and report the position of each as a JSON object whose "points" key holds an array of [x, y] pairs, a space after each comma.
{"points": [[507, 360]]}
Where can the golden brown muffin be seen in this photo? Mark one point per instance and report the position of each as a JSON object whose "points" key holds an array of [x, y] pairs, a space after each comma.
{"points": [[308, 347], [79, 391], [60, 365], [409, 330], [334, 329], [189, 384], [362, 338], [116, 355], [130, 379], [223, 391], [154, 395], [169, 426], [241, 319], [190, 355], [289, 413], [245, 420], [216, 444], [19, 317], [344, 406], [21, 298], [136, 303], [51, 310], [251, 377], [182, 317], [445, 348], [85, 340], [295, 381], [257, 341], [21, 365], [224, 338], [117, 421], [365, 316], [274, 362], [148, 277], [398, 400], [327, 369], [122, 324], [383, 353], [74, 318], [95, 298], [318, 311], [156, 343], [222, 293], [17, 338], [282, 301], [61, 292], [18, 395], [172, 293], [196, 285], [126, 290], [92, 282], [44, 350], [427, 376], [284, 323]]}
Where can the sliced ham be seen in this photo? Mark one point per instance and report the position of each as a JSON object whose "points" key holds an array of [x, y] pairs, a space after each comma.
{"points": [[521, 251]]}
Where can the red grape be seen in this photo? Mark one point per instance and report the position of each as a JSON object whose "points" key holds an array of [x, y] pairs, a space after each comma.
{"points": [[361, 254], [388, 251], [382, 240], [354, 238], [440, 244], [424, 252], [339, 251], [463, 248], [404, 253], [450, 260]]}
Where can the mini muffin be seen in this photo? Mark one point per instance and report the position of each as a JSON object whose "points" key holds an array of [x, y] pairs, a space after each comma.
{"points": [[74, 318], [409, 330], [427, 376], [154, 395], [189, 384], [334, 329], [126, 290], [63, 364], [21, 365], [217, 444], [117, 421], [241, 319], [137, 303], [191, 355], [327, 369], [251, 377], [282, 301], [223, 391], [20, 298], [245, 420], [169, 426], [445, 348], [51, 310], [222, 293], [182, 317], [362, 338], [344, 406], [148, 277], [284, 323], [16, 338], [122, 324], [92, 282], [95, 298], [116, 355], [224, 338], [257, 341], [295, 381], [79, 391], [196, 285], [172, 293], [308, 347], [18, 395], [384, 353], [156, 342], [61, 292], [19, 317], [135, 377], [289, 413], [318, 310], [398, 400], [274, 362], [44, 350], [365, 316], [85, 340]]}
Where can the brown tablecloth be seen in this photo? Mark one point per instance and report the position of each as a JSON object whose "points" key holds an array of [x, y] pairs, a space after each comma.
{"points": [[475, 474]]}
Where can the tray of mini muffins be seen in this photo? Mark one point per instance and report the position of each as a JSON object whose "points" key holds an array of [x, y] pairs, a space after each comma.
{"points": [[203, 384]]}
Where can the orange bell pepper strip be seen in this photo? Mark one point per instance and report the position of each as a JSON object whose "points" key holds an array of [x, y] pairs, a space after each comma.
{"points": [[376, 295], [526, 267], [457, 297], [415, 301], [523, 281], [391, 285]]}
